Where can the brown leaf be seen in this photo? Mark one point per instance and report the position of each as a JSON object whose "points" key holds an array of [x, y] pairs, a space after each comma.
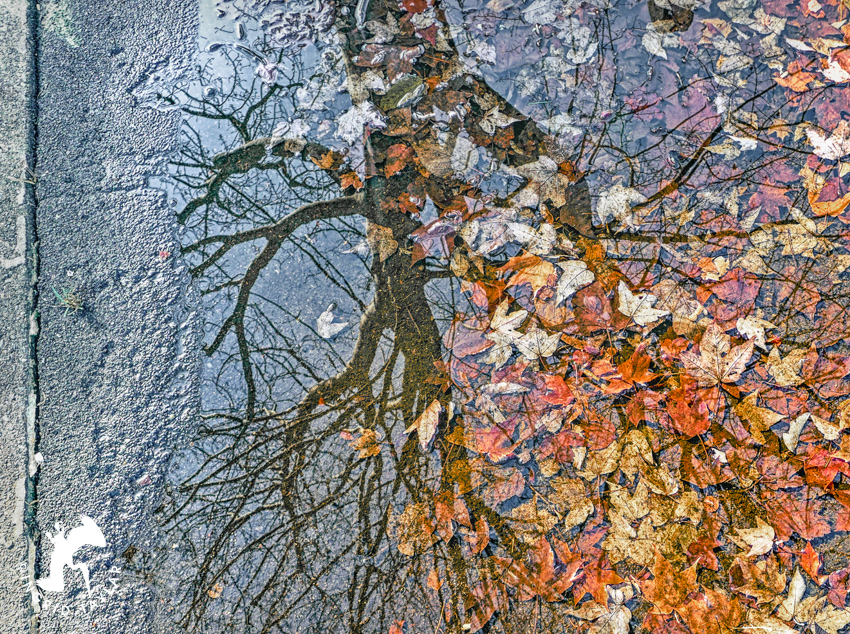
{"points": [[381, 240], [669, 589], [718, 361]]}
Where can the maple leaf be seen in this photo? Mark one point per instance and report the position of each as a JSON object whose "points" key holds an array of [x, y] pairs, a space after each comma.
{"points": [[632, 507], [701, 552], [760, 622], [537, 344], [796, 512], [718, 361], [381, 241], [530, 522], [815, 611], [367, 442], [760, 419], [833, 148], [571, 497], [762, 580], [669, 589], [528, 269], [634, 370], [493, 119], [712, 612], [797, 81], [638, 307], [398, 156], [350, 179], [557, 391], [759, 539], [616, 202], [537, 578], [546, 180], [413, 530], [786, 371], [575, 275], [598, 574], [753, 328], [688, 415]]}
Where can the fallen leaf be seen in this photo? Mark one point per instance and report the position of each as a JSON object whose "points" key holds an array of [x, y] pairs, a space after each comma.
{"points": [[326, 327], [575, 275], [760, 419], [718, 361], [786, 371], [426, 424], [759, 539], [638, 307], [753, 328], [669, 588], [381, 241], [792, 437], [796, 589]]}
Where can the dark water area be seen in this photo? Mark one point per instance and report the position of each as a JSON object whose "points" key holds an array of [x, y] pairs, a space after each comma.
{"points": [[520, 316]]}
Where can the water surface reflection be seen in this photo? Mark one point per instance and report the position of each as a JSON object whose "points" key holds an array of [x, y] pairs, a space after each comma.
{"points": [[521, 316]]}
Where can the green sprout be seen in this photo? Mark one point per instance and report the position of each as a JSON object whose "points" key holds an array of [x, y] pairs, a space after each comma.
{"points": [[69, 299]]}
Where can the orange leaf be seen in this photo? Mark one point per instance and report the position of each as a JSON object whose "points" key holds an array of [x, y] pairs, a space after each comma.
{"points": [[828, 208], [810, 561], [350, 179], [670, 588], [482, 536], [798, 82], [398, 156], [529, 269], [325, 161], [597, 575]]}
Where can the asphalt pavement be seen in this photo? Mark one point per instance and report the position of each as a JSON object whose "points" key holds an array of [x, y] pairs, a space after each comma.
{"points": [[98, 332]]}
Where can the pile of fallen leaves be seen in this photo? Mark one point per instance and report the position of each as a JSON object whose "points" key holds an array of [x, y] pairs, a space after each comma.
{"points": [[647, 398]]}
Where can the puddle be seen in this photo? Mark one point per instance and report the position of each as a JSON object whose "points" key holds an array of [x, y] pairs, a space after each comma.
{"points": [[520, 316]]}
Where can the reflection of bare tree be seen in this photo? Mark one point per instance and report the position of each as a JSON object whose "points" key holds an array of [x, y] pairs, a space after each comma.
{"points": [[290, 527]]}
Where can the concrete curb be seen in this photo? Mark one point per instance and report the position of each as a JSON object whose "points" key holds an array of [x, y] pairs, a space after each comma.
{"points": [[18, 323]]}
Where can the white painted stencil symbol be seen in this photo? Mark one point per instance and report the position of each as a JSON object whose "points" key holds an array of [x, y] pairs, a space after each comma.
{"points": [[64, 549]]}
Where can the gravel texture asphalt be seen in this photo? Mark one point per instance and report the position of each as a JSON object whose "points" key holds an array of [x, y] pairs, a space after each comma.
{"points": [[106, 368]]}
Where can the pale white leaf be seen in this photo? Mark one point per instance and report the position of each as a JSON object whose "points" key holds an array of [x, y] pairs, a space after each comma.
{"points": [[575, 275], [792, 437], [638, 307], [753, 328]]}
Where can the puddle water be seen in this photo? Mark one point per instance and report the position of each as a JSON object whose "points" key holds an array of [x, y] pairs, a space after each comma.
{"points": [[520, 316]]}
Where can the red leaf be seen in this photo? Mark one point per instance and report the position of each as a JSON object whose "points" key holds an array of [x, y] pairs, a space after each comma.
{"points": [[810, 561], [795, 512], [688, 415], [839, 585], [702, 552], [397, 158], [557, 391], [415, 6], [597, 574]]}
